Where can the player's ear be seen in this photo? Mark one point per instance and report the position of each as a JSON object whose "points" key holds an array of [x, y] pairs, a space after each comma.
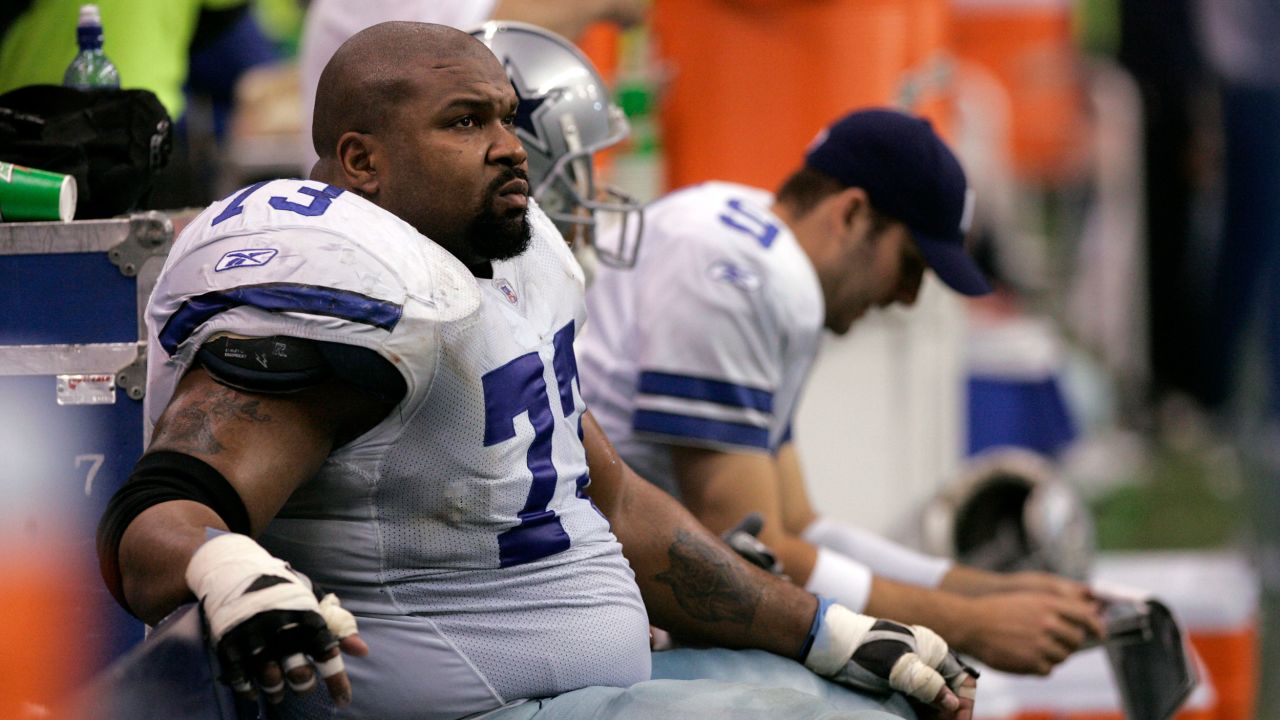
{"points": [[847, 207], [856, 203], [358, 157]]}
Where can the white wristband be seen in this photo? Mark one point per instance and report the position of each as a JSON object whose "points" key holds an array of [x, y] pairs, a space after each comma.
{"points": [[835, 576], [884, 557]]}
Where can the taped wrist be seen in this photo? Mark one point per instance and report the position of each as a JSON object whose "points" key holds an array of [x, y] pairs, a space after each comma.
{"points": [[235, 579], [161, 477], [839, 632], [879, 655]]}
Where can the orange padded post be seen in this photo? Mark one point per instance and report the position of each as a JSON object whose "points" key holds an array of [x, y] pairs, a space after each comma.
{"points": [[1027, 45], [750, 82]]}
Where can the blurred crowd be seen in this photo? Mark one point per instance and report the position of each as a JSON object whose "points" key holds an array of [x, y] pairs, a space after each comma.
{"points": [[1121, 148]]}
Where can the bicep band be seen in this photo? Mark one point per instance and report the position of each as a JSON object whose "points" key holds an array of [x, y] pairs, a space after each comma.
{"points": [[161, 477]]}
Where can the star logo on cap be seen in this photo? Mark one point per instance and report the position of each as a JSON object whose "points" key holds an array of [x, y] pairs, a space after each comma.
{"points": [[526, 106]]}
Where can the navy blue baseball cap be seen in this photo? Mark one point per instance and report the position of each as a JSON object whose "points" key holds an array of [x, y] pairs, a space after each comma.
{"points": [[910, 175]]}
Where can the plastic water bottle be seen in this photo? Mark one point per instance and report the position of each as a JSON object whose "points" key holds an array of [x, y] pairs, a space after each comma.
{"points": [[90, 68]]}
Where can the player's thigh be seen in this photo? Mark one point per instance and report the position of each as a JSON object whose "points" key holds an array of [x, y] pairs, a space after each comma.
{"points": [[682, 700], [757, 667]]}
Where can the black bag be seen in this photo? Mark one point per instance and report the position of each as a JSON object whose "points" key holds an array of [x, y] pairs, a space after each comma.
{"points": [[112, 141]]}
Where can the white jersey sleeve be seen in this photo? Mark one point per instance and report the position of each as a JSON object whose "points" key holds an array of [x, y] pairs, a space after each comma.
{"points": [[708, 366], [282, 258]]}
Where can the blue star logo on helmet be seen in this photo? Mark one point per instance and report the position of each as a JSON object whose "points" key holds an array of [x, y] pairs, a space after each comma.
{"points": [[527, 106]]}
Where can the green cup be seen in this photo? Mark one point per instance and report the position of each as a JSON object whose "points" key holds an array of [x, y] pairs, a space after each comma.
{"points": [[29, 194]]}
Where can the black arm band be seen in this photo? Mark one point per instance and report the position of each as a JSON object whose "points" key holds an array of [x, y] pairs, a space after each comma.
{"points": [[160, 477]]}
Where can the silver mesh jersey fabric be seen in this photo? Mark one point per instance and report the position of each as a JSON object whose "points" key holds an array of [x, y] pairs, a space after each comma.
{"points": [[407, 524], [708, 340]]}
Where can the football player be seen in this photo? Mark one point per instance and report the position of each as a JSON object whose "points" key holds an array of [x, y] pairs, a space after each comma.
{"points": [[365, 382], [696, 357]]}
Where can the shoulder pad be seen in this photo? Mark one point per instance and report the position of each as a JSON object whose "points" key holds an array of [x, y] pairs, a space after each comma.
{"points": [[274, 364]]}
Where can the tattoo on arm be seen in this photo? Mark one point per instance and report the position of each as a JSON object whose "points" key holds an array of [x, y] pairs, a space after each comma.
{"points": [[188, 429], [192, 427], [707, 583]]}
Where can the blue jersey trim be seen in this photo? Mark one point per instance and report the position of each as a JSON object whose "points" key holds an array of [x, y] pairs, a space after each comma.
{"points": [[697, 388], [278, 297], [732, 433]]}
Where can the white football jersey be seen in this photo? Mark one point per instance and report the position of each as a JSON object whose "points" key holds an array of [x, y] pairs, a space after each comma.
{"points": [[457, 529], [708, 339]]}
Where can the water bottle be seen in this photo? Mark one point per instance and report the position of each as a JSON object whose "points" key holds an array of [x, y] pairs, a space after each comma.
{"points": [[90, 68]]}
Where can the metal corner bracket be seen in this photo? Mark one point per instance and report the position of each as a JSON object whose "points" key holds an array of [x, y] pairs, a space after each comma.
{"points": [[150, 234]]}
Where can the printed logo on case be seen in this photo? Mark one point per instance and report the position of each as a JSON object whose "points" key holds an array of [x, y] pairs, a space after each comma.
{"points": [[251, 257]]}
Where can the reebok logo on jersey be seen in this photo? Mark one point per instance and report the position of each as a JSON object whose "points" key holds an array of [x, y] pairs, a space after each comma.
{"points": [[725, 271], [251, 257]]}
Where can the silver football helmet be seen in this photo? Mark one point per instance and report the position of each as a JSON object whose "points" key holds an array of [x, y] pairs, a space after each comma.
{"points": [[565, 115], [1009, 511]]}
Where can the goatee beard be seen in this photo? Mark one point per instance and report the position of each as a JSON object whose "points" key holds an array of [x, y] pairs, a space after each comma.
{"points": [[500, 237]]}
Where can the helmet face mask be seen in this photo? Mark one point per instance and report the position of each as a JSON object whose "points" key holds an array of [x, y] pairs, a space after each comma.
{"points": [[565, 116]]}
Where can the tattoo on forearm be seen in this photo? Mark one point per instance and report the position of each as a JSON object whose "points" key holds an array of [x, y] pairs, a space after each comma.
{"points": [[192, 427], [707, 584]]}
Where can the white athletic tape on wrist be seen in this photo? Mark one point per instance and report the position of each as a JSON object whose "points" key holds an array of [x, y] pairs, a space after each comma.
{"points": [[835, 576], [224, 567], [329, 668], [242, 686], [840, 633]]}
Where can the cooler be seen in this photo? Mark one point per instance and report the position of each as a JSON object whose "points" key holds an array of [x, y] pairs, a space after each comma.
{"points": [[1213, 595], [1081, 688]]}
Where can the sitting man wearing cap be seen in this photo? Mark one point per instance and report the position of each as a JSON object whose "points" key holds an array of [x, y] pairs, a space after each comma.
{"points": [[696, 357]]}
